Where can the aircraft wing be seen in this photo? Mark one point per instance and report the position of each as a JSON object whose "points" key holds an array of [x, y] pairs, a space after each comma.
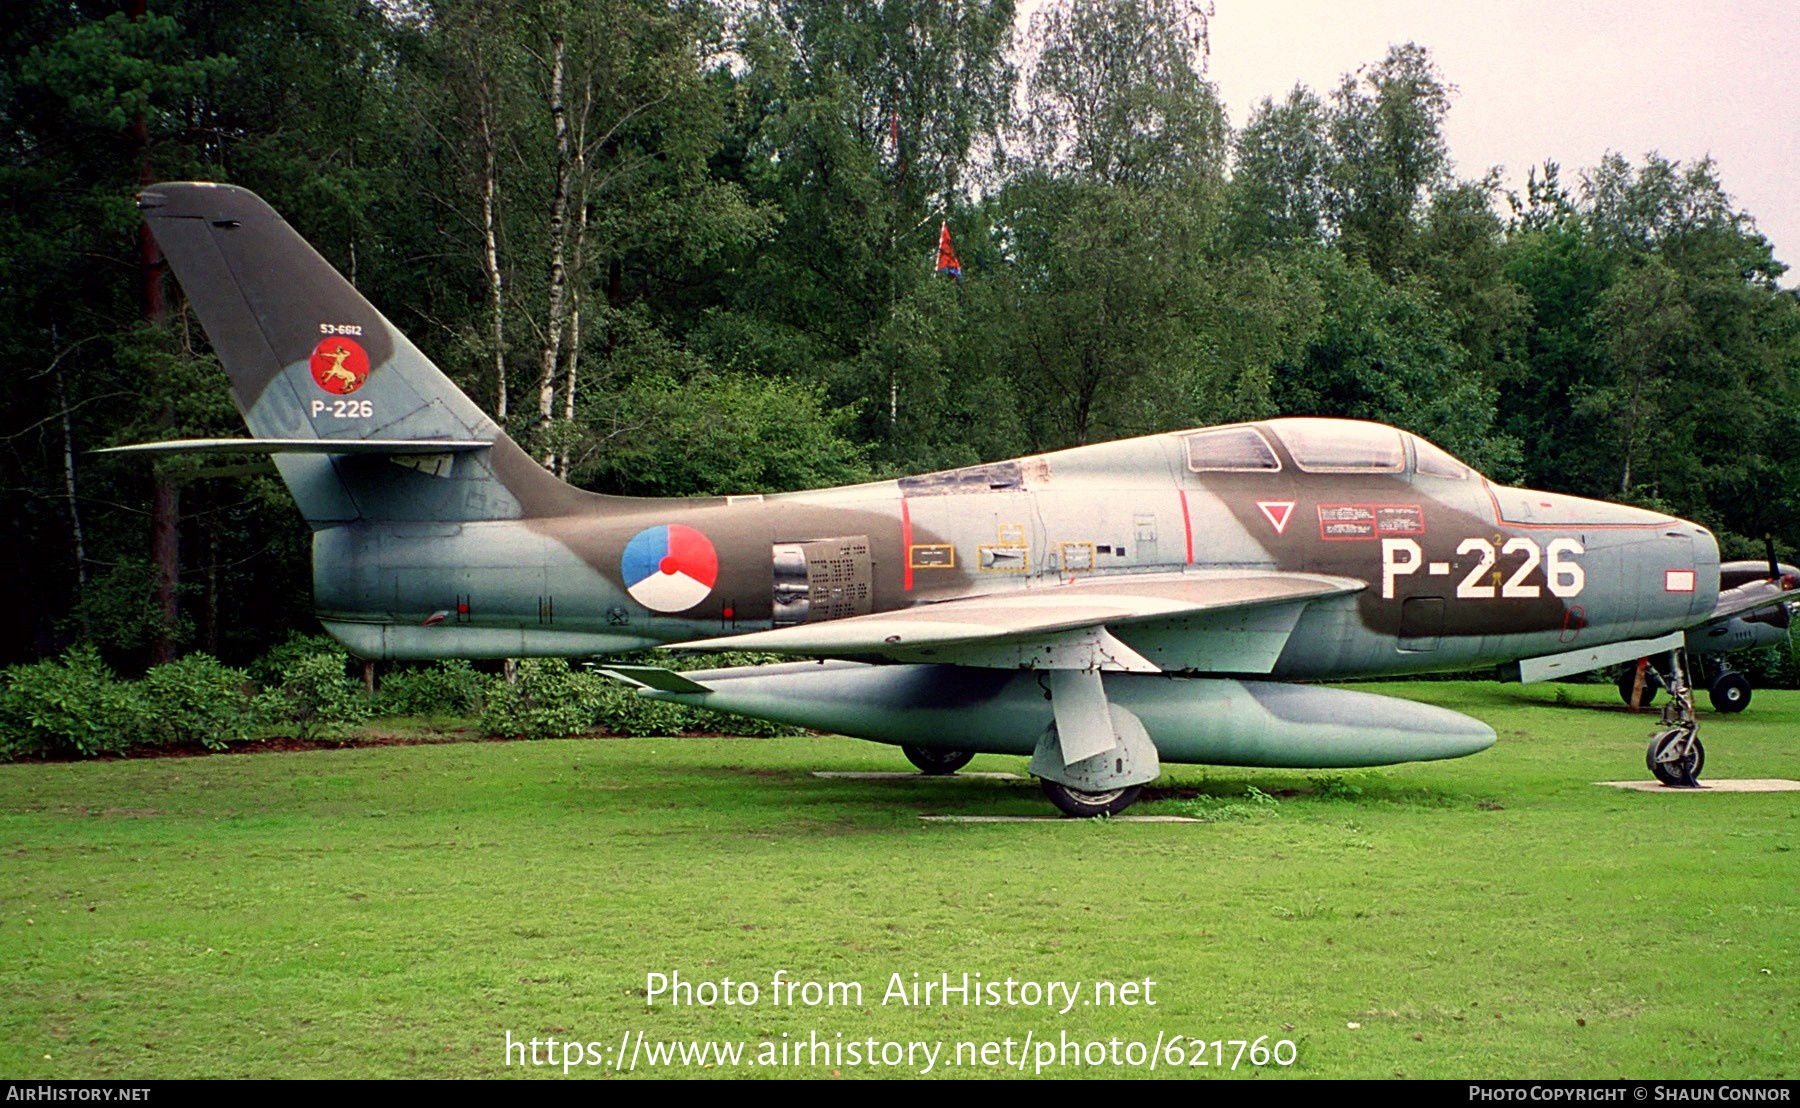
{"points": [[1064, 627], [1751, 596]]}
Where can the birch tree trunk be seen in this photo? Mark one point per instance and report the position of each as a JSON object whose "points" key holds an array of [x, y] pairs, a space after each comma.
{"points": [[62, 400], [573, 360], [490, 195], [558, 276]]}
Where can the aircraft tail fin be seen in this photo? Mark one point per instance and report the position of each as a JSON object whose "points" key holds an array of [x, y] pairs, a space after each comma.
{"points": [[310, 359]]}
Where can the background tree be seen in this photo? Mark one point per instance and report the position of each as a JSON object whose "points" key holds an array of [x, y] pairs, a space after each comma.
{"points": [[687, 248]]}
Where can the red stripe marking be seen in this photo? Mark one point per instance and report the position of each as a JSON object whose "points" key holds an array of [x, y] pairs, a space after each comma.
{"points": [[1188, 526], [906, 543]]}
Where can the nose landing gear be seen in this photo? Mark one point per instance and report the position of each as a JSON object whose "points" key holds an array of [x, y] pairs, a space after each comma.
{"points": [[1675, 756]]}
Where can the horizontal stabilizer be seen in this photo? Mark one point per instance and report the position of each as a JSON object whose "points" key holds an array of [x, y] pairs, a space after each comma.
{"points": [[653, 677], [301, 446]]}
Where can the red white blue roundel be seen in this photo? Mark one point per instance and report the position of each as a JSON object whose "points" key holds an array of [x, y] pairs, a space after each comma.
{"points": [[669, 569]]}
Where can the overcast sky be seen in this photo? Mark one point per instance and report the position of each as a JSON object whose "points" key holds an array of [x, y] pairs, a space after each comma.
{"points": [[1565, 80]]}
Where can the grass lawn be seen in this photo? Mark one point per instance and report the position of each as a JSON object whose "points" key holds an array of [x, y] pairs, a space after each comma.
{"points": [[398, 911]]}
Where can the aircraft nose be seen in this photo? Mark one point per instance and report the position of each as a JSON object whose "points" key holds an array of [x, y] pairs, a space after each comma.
{"points": [[1703, 553]]}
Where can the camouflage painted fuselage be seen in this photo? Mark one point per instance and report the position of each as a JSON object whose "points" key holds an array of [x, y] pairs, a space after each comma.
{"points": [[1477, 590]]}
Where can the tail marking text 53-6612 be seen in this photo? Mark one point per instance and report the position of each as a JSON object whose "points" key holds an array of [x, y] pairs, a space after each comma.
{"points": [[1562, 575]]}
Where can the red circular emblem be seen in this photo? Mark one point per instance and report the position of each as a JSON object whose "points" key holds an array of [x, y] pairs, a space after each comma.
{"points": [[339, 365]]}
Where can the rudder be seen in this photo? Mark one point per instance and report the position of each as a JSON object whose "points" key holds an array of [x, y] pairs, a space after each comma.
{"points": [[309, 358]]}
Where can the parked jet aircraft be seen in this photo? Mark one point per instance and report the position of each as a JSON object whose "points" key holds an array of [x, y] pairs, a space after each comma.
{"points": [[1101, 609]]}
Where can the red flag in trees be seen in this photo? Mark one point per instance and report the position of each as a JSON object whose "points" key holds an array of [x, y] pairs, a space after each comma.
{"points": [[946, 262]]}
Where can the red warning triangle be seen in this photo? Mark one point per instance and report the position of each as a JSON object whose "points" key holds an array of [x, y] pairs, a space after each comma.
{"points": [[1278, 513]]}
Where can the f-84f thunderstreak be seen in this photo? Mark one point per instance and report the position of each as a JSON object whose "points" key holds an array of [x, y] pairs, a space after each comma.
{"points": [[1102, 609]]}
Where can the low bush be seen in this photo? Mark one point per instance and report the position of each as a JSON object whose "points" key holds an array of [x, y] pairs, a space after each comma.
{"points": [[268, 669], [196, 700], [547, 699], [315, 698], [452, 688], [69, 705]]}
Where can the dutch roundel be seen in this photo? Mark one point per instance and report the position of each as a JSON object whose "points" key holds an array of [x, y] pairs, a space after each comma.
{"points": [[669, 569]]}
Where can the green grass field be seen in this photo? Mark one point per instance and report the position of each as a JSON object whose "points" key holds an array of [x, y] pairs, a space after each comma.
{"points": [[397, 911]]}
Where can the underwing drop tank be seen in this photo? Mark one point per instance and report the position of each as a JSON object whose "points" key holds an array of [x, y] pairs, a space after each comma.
{"points": [[1215, 721]]}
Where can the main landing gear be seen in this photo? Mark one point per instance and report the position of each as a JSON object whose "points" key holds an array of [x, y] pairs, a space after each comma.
{"points": [[933, 762], [1728, 690], [1082, 805], [1675, 756]]}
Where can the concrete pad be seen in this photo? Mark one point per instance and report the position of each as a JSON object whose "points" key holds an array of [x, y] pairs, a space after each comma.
{"points": [[848, 775], [1742, 785], [1058, 819]]}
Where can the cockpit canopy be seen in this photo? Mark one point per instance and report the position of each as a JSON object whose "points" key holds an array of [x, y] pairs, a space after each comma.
{"points": [[1319, 445]]}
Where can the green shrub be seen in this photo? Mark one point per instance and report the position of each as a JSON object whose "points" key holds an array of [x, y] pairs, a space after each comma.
{"points": [[268, 669], [1335, 786], [621, 711], [315, 698], [1219, 809], [546, 700], [69, 705], [450, 688], [196, 700]]}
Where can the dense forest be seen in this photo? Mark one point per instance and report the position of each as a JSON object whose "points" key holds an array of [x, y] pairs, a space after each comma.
{"points": [[688, 246]]}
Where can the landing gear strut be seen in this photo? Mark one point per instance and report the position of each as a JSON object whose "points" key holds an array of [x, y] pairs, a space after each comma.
{"points": [[1675, 756]]}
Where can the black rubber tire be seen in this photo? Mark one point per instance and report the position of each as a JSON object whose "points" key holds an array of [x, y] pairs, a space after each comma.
{"points": [[933, 762], [1652, 685], [1730, 692], [1680, 775], [1074, 802]]}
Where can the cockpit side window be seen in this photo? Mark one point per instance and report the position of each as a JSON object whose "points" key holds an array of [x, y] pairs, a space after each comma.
{"points": [[1434, 462], [1231, 450], [1342, 446]]}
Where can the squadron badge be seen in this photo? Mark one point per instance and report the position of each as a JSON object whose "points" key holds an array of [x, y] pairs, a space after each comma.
{"points": [[339, 365]]}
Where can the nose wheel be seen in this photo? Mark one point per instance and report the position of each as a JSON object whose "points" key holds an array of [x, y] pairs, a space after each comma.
{"points": [[1676, 757]]}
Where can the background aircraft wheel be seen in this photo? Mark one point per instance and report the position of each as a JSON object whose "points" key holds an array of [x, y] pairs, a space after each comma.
{"points": [[1730, 692], [1683, 773], [1074, 802], [1652, 683], [933, 762]]}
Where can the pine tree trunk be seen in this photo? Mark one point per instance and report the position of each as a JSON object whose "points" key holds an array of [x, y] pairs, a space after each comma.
{"points": [[165, 499]]}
